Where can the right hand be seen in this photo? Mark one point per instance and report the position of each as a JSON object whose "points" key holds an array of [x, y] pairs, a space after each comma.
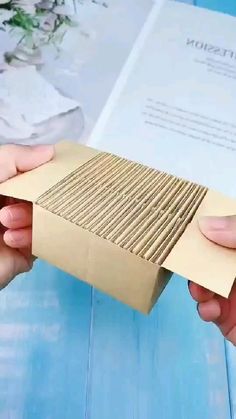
{"points": [[212, 307]]}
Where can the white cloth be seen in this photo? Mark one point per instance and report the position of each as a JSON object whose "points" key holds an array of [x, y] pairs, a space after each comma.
{"points": [[27, 101]]}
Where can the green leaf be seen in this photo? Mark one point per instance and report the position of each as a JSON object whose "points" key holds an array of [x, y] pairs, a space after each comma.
{"points": [[23, 20]]}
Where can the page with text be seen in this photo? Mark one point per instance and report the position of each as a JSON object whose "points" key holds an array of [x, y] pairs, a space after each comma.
{"points": [[174, 106]]}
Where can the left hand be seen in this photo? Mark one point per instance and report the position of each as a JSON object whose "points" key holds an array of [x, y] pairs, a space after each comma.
{"points": [[212, 307], [16, 215]]}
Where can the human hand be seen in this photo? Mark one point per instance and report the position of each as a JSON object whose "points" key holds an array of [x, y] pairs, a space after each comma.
{"points": [[16, 215], [212, 307]]}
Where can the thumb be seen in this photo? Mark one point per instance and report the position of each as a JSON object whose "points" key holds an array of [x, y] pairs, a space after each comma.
{"points": [[15, 159], [13, 263], [220, 230]]}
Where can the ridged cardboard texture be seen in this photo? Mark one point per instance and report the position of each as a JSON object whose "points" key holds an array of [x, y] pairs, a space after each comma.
{"points": [[121, 226]]}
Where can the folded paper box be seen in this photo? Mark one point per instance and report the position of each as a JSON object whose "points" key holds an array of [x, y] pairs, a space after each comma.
{"points": [[121, 226]]}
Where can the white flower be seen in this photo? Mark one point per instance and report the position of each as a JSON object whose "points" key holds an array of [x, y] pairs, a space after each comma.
{"points": [[5, 15], [29, 6], [21, 56], [45, 4], [65, 10], [48, 22]]}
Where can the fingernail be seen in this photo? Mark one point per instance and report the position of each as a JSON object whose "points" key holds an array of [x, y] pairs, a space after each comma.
{"points": [[5, 216], [215, 223], [8, 215], [13, 239], [210, 310]]}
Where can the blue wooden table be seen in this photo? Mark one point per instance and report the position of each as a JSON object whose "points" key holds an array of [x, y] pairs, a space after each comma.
{"points": [[69, 352]]}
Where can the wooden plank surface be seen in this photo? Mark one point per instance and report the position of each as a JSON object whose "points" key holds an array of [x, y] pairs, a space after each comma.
{"points": [[231, 368], [168, 365], [224, 6], [44, 335]]}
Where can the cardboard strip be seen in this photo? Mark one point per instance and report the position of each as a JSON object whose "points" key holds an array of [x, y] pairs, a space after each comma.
{"points": [[30, 185], [134, 281], [197, 259], [145, 218]]}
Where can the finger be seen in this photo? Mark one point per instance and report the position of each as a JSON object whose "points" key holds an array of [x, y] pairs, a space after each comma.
{"points": [[199, 293], [6, 201], [14, 263], [13, 266], [27, 253], [220, 230], [216, 310], [16, 216], [226, 321], [18, 239], [210, 311], [14, 159], [231, 336]]}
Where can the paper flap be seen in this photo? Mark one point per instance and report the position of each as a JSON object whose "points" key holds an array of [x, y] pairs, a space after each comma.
{"points": [[201, 261], [29, 186]]}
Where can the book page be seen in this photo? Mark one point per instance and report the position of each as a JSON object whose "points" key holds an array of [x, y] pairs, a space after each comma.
{"points": [[174, 106]]}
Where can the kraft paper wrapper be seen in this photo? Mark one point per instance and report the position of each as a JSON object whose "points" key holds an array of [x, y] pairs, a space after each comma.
{"points": [[104, 264], [201, 261], [31, 185]]}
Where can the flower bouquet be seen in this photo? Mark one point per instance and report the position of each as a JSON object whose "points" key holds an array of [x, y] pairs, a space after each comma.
{"points": [[37, 23]]}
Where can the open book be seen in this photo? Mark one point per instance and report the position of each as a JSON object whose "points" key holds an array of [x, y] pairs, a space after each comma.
{"points": [[174, 106]]}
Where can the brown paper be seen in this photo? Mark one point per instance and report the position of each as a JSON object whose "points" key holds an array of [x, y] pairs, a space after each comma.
{"points": [[196, 258], [99, 262], [29, 186], [123, 227]]}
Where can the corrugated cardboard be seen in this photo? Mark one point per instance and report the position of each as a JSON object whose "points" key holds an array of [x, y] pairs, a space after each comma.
{"points": [[122, 227]]}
